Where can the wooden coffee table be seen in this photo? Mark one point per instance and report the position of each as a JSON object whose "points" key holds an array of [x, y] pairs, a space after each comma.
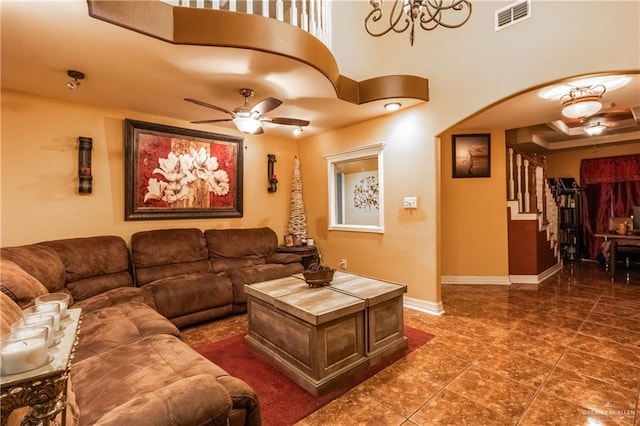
{"points": [[320, 336]]}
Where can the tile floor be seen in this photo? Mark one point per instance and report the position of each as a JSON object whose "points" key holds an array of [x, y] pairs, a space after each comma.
{"points": [[565, 352]]}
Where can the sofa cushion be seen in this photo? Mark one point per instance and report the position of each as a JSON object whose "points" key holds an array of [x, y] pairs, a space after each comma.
{"points": [[144, 367], [93, 264], [166, 253], [148, 275], [175, 404], [11, 313], [167, 247], [227, 265], [185, 294], [271, 271], [18, 284], [115, 297], [41, 262], [111, 327], [250, 245]]}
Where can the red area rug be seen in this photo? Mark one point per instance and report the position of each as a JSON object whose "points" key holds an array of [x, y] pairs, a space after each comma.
{"points": [[282, 401]]}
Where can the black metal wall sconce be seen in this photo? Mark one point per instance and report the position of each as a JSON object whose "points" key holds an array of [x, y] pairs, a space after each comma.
{"points": [[85, 179], [271, 173]]}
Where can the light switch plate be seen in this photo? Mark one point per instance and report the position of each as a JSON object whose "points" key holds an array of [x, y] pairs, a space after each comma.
{"points": [[410, 202]]}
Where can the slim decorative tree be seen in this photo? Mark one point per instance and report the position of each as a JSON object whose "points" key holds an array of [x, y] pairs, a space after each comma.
{"points": [[297, 218]]}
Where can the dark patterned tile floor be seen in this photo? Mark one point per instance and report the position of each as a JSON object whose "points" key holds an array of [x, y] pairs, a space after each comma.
{"points": [[565, 352]]}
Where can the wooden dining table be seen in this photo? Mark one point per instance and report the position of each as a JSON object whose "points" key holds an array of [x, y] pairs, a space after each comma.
{"points": [[615, 239]]}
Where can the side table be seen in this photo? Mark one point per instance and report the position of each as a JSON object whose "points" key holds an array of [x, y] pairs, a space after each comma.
{"points": [[309, 254], [43, 390]]}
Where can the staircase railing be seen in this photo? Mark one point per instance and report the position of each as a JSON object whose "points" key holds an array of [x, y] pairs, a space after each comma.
{"points": [[313, 16], [526, 178], [528, 188]]}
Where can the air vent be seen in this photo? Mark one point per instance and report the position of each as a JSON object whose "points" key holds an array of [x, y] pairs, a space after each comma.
{"points": [[513, 13]]}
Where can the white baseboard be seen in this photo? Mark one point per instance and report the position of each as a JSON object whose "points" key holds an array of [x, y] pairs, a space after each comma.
{"points": [[475, 279], [535, 279], [425, 306]]}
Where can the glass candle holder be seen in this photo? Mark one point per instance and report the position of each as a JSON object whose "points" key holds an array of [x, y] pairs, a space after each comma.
{"points": [[23, 353], [60, 298], [20, 328], [39, 318], [52, 309]]}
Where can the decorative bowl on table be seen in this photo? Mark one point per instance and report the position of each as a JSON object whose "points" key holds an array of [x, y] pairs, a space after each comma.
{"points": [[318, 275]]}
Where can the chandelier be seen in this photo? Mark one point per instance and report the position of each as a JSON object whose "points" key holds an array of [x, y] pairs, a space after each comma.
{"points": [[428, 13], [582, 102]]}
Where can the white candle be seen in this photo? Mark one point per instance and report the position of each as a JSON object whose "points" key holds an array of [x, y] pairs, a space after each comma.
{"points": [[40, 318], [17, 356], [52, 309], [20, 329], [60, 298]]}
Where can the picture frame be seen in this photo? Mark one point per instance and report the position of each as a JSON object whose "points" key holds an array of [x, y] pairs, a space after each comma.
{"points": [[176, 173], [288, 240], [471, 155]]}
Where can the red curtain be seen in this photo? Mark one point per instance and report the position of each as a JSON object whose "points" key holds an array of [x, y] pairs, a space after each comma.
{"points": [[610, 187]]}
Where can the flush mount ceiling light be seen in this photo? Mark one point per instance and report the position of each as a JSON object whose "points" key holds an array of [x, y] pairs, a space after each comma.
{"points": [[582, 102], [76, 76], [393, 106], [428, 13], [595, 129]]}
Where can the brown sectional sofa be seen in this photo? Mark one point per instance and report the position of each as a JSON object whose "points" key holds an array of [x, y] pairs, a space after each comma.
{"points": [[196, 276], [130, 365]]}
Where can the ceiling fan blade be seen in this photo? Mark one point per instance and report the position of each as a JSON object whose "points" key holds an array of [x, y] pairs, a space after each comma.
{"points": [[266, 105], [206, 105], [287, 121], [211, 121]]}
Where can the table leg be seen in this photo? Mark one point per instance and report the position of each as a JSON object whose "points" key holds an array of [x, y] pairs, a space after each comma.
{"points": [[612, 258]]}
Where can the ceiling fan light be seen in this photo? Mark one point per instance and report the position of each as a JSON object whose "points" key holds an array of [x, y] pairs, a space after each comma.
{"points": [[595, 129], [581, 108], [297, 131], [246, 124]]}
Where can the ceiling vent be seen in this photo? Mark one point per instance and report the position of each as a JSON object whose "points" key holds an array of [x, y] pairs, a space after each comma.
{"points": [[513, 13]]}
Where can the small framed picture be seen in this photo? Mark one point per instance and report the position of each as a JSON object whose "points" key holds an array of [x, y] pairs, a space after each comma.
{"points": [[288, 240], [471, 155], [297, 240]]}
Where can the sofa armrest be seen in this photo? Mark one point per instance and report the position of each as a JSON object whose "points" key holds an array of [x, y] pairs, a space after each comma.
{"points": [[195, 400], [284, 258]]}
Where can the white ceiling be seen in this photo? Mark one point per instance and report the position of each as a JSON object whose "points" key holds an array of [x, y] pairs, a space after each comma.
{"points": [[131, 71]]}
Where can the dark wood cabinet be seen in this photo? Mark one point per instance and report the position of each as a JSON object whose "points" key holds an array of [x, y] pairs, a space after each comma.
{"points": [[310, 254]]}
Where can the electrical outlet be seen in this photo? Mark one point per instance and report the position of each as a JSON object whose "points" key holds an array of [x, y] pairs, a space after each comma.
{"points": [[410, 202], [343, 264]]}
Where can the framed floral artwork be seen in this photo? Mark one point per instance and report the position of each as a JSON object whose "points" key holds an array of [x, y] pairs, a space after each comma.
{"points": [[175, 173], [471, 155]]}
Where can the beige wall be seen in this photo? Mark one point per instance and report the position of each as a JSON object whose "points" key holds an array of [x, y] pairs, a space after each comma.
{"points": [[40, 200], [474, 215], [567, 163], [405, 253]]}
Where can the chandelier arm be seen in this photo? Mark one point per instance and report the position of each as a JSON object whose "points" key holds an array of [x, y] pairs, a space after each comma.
{"points": [[439, 8], [393, 22], [394, 19]]}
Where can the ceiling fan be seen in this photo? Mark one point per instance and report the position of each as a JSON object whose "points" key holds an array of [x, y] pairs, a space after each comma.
{"points": [[248, 119]]}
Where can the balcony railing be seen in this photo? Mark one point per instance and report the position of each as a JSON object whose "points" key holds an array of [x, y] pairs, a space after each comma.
{"points": [[313, 16]]}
